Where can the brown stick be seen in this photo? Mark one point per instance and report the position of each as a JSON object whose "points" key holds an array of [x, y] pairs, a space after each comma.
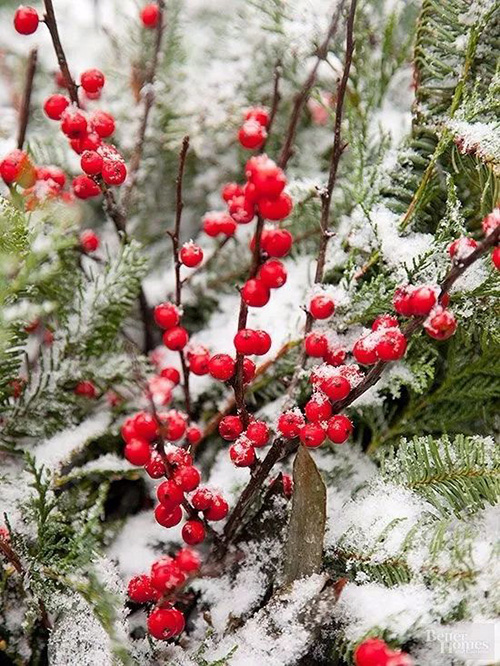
{"points": [[51, 23], [26, 101]]}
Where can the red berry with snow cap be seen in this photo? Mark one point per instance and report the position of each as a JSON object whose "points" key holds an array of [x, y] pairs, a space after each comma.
{"points": [[202, 499], [191, 254], [422, 300], [230, 428], [230, 191], [218, 510], [258, 433], [318, 409], [365, 350], [335, 356], [85, 188], [166, 315], [141, 591], [92, 80], [166, 575], [401, 301], [258, 113], [336, 387], [252, 134], [392, 345], [462, 247], [321, 307], [441, 324], [102, 123], [290, 424], [73, 123], [241, 210], [491, 222], [385, 321], [339, 429], [268, 179], [316, 345], [155, 467], [242, 453], [273, 274], [113, 172]]}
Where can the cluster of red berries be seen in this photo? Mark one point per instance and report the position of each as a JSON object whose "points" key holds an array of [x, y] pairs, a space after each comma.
{"points": [[386, 342], [462, 247], [376, 652], [253, 133], [167, 577], [245, 441], [423, 301], [168, 316]]}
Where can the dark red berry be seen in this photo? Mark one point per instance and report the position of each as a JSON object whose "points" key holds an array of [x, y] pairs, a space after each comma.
{"points": [[315, 345], [167, 517], [255, 293], [91, 162], [188, 560], [392, 345], [318, 409], [242, 453], [273, 274], [258, 433], [137, 451], [140, 590], [89, 241], [312, 435], [165, 623], [170, 494], [86, 389], [336, 388], [290, 424], [339, 429], [193, 532], [191, 255], [218, 510]]}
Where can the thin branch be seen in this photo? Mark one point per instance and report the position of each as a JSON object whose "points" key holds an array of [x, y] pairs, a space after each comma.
{"points": [[26, 101], [51, 23]]}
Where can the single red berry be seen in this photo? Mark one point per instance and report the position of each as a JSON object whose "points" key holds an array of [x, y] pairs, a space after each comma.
{"points": [[277, 242], [193, 532], [287, 483], [168, 517], [102, 123], [188, 478], [372, 652], [462, 247], [188, 560], [230, 428], [422, 300], [336, 388], [91, 162], [315, 345], [290, 424], [321, 307], [491, 222], [495, 257], [128, 430], [276, 209], [150, 15], [385, 321], [26, 20], [165, 623], [173, 425], [86, 389], [249, 370], [245, 341], [392, 345], [273, 274], [401, 301], [90, 141], [114, 172], [365, 350], [146, 426], [12, 166], [170, 373], [155, 467], [140, 590], [318, 409], [178, 457], [267, 178], [335, 356], [242, 453], [191, 255], [216, 222], [221, 367], [241, 209], [202, 499], [55, 105], [230, 191], [137, 452], [193, 435], [170, 494], [92, 80], [441, 325], [176, 338], [312, 435], [252, 134], [73, 123], [166, 315], [198, 363], [339, 429], [218, 510], [258, 433], [258, 113], [51, 173], [255, 293], [85, 188], [166, 575], [89, 241]]}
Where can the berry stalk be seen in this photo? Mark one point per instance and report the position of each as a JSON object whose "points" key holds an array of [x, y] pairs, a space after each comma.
{"points": [[51, 23], [26, 101]]}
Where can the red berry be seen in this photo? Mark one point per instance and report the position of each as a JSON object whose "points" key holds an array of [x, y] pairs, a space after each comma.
{"points": [[441, 325], [495, 257], [166, 315], [176, 338], [276, 209], [150, 15], [255, 293], [92, 80], [422, 300], [339, 429], [277, 242], [242, 453], [114, 172], [221, 367], [273, 274], [336, 388], [178, 457], [140, 590], [170, 373], [491, 222], [173, 426], [321, 307], [268, 179], [312, 435], [193, 532], [401, 301], [55, 105], [166, 575], [318, 409], [392, 345], [102, 123], [315, 344], [372, 652], [89, 240], [26, 20], [230, 191], [155, 467], [385, 321], [51, 173], [188, 478], [91, 162], [168, 517], [146, 426], [334, 356], [198, 364], [202, 499], [262, 342], [137, 452], [249, 370], [85, 188], [188, 560], [241, 210], [258, 113], [365, 350], [245, 341], [230, 428], [290, 424], [217, 222], [252, 134], [462, 247], [170, 494], [73, 123], [13, 166], [86, 389], [165, 623], [218, 510], [193, 435], [258, 433], [191, 255]]}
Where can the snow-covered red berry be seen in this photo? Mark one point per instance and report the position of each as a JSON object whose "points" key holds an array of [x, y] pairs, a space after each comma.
{"points": [[385, 321], [89, 241], [218, 510], [491, 222], [364, 350], [73, 123], [172, 374], [401, 301], [252, 134], [422, 300], [336, 387], [277, 242], [155, 467], [315, 345], [276, 209], [290, 424], [318, 409], [26, 20], [166, 315], [312, 435], [102, 123], [55, 105], [137, 451], [166, 575], [335, 356], [193, 532], [321, 307], [170, 493], [339, 428], [188, 560], [92, 80], [230, 191], [176, 338], [113, 172], [91, 162], [268, 179], [230, 428], [191, 254], [258, 113], [391, 345], [165, 623], [258, 433], [242, 453], [141, 591], [461, 247], [255, 293], [202, 499], [441, 324], [150, 15], [216, 222], [273, 274], [85, 188], [221, 367]]}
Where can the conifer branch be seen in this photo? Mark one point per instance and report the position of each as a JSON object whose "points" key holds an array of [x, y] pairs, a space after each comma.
{"points": [[26, 101]]}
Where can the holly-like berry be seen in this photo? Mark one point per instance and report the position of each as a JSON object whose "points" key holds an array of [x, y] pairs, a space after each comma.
{"points": [[166, 575], [267, 178], [312, 435], [221, 367], [422, 300], [241, 209], [372, 652], [85, 188], [55, 105], [188, 478], [339, 429], [202, 499], [401, 301], [165, 623], [168, 517], [193, 532], [155, 467], [262, 342], [137, 452], [114, 171], [255, 293], [290, 424], [102, 123], [73, 123], [173, 426], [150, 15], [86, 389], [336, 388], [172, 374], [441, 325], [191, 254], [92, 80], [258, 433], [146, 426], [318, 409], [141, 591], [91, 162], [198, 363], [249, 370], [218, 510], [252, 134], [230, 428], [178, 457], [26, 20], [15, 166], [89, 241], [334, 356], [230, 191], [170, 493], [277, 242], [392, 345], [245, 341], [276, 209], [491, 222], [365, 350], [273, 274], [242, 453], [216, 222], [462, 247], [194, 435], [258, 113], [176, 338], [321, 307], [495, 257], [315, 344], [385, 321], [188, 560], [166, 315]]}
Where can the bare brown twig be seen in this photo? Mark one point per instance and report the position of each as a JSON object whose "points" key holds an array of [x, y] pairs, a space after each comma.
{"points": [[51, 23], [26, 101]]}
